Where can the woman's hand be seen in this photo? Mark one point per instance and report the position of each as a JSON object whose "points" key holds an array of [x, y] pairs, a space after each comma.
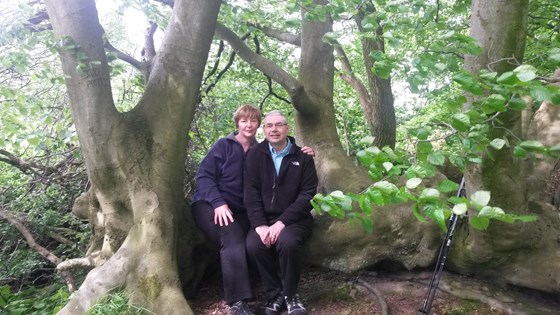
{"points": [[308, 150], [222, 215]]}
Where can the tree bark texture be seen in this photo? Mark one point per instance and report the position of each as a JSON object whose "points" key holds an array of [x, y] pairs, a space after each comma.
{"points": [[380, 110], [134, 160], [524, 254]]}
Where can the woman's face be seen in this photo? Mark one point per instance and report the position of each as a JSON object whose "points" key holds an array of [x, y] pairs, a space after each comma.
{"points": [[248, 126]]}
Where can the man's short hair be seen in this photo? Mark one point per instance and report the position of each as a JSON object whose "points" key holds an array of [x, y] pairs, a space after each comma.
{"points": [[276, 113], [247, 111]]}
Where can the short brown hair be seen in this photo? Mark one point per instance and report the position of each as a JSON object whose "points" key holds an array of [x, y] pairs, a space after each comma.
{"points": [[247, 111]]}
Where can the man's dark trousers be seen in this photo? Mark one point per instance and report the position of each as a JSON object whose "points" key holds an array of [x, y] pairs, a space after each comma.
{"points": [[284, 257]]}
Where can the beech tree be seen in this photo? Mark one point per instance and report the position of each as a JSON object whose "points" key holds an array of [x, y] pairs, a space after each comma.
{"points": [[522, 252], [134, 160]]}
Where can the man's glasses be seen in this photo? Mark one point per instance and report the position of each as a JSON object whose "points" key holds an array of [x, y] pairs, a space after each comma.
{"points": [[277, 125]]}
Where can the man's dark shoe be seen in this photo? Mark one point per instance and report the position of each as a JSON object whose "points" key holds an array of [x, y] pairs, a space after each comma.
{"points": [[240, 308], [295, 307], [274, 305]]}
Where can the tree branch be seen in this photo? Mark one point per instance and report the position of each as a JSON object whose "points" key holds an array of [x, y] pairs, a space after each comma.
{"points": [[231, 59], [123, 56], [279, 35], [294, 88], [149, 50], [30, 239]]}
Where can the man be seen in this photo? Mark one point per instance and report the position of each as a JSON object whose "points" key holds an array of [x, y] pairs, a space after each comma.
{"points": [[279, 183]]}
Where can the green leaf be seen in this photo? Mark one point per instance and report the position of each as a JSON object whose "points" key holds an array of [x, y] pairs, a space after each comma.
{"points": [[555, 99], [489, 75], [386, 187], [436, 158], [508, 78], [388, 166], [417, 214], [447, 186], [539, 94], [440, 66], [491, 212], [325, 207], [374, 151], [525, 73], [496, 102], [376, 197], [460, 122], [517, 104], [346, 204], [337, 194], [413, 182], [429, 194], [497, 143], [479, 223], [437, 214], [367, 224], [367, 140], [460, 209], [425, 147], [532, 146], [374, 173], [519, 152], [365, 204], [480, 199], [364, 158]]}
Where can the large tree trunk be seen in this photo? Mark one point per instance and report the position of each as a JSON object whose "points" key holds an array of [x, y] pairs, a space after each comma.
{"points": [[524, 253], [134, 160], [379, 109], [335, 244]]}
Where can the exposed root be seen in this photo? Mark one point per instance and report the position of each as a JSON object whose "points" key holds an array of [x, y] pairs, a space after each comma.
{"points": [[377, 293], [88, 262]]}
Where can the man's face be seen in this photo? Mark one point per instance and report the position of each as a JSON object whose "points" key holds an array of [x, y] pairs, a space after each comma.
{"points": [[275, 129]]}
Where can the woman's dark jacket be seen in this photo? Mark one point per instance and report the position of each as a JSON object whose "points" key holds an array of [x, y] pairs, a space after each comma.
{"points": [[219, 179], [269, 198]]}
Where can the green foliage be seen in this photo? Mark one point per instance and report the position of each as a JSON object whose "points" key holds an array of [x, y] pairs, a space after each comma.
{"points": [[387, 168], [33, 301], [116, 304]]}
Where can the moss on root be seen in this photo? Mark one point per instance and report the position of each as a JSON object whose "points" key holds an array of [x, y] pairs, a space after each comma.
{"points": [[151, 287]]}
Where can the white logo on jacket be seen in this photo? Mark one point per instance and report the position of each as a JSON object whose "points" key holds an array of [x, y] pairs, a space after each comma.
{"points": [[296, 163]]}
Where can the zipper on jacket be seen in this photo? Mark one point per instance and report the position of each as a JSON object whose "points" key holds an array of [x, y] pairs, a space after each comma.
{"points": [[273, 189]]}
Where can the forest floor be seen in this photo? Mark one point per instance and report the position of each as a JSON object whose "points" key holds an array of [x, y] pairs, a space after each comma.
{"points": [[326, 292]]}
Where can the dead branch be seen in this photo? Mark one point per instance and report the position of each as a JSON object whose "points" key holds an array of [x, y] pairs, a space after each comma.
{"points": [[30, 239]]}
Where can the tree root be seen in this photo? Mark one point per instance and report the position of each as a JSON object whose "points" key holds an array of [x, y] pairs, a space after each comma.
{"points": [[377, 293], [88, 262]]}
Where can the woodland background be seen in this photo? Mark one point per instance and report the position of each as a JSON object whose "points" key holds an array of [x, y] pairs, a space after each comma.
{"points": [[102, 130]]}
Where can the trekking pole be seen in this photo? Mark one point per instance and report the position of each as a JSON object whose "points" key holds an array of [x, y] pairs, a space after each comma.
{"points": [[448, 238]]}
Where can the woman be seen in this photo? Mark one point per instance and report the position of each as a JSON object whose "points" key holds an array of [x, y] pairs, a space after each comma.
{"points": [[218, 205]]}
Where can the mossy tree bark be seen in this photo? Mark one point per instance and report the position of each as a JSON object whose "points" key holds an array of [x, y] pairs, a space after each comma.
{"points": [[134, 160], [521, 253]]}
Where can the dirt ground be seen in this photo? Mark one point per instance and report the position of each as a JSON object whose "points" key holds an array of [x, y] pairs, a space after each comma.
{"points": [[326, 292]]}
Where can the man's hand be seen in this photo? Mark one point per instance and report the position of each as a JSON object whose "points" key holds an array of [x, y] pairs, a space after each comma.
{"points": [[308, 150], [222, 215], [274, 231], [264, 233]]}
